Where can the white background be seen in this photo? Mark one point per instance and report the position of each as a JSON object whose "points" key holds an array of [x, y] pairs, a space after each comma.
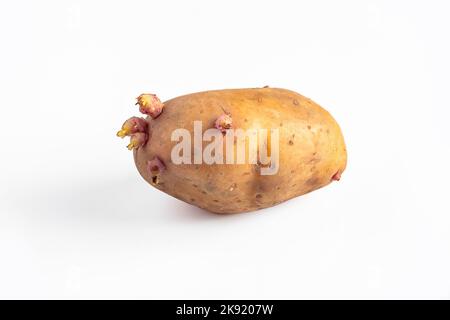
{"points": [[77, 220]]}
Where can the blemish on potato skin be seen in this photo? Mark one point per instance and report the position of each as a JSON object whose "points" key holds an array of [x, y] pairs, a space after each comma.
{"points": [[309, 127], [291, 142], [295, 102], [312, 181], [210, 187], [314, 160]]}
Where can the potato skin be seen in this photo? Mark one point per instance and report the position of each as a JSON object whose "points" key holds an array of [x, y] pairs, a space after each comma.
{"points": [[311, 149]]}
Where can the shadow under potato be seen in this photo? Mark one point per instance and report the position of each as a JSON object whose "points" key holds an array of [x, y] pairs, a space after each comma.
{"points": [[124, 199]]}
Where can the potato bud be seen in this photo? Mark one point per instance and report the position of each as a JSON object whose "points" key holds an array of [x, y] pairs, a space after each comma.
{"points": [[224, 122], [150, 104], [131, 126]]}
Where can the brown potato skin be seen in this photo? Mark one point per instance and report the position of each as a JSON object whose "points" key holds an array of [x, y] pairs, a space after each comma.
{"points": [[311, 149]]}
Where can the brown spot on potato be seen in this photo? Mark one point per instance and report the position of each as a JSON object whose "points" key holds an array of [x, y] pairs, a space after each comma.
{"points": [[210, 186], [258, 196], [312, 181], [309, 127], [314, 160], [291, 142], [295, 102]]}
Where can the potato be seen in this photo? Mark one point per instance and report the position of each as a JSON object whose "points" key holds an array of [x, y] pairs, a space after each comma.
{"points": [[303, 144]]}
